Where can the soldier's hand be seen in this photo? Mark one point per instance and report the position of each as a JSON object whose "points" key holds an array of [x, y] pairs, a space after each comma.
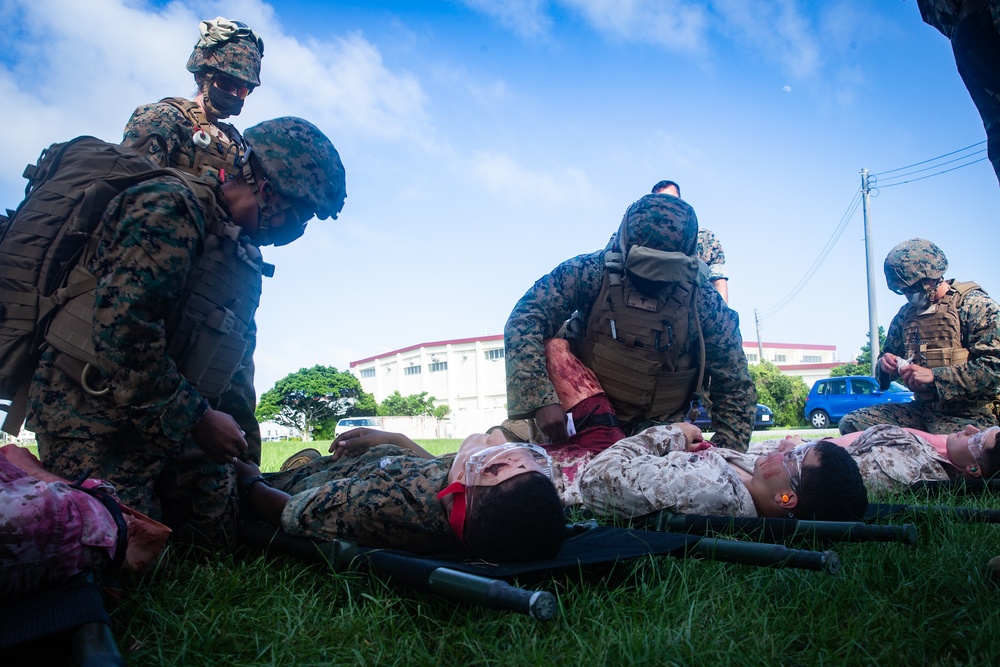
{"points": [[888, 362], [358, 440], [551, 420], [916, 376], [693, 437], [220, 437]]}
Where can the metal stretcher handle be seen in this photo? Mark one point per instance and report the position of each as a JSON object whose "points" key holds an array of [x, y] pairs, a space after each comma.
{"points": [[772, 555], [841, 531]]}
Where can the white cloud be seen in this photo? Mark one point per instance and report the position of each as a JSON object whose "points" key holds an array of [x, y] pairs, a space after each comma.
{"points": [[343, 83], [502, 176], [525, 17], [673, 24], [776, 29], [81, 68]]}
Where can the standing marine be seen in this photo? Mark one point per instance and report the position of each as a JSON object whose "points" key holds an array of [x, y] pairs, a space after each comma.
{"points": [[226, 67], [944, 344]]}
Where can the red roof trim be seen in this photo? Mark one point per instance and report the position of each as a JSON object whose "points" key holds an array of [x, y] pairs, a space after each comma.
{"points": [[789, 346], [455, 341]]}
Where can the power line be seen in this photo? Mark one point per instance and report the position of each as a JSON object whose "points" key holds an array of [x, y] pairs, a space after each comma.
{"points": [[935, 166], [943, 171], [856, 201], [837, 233], [917, 164]]}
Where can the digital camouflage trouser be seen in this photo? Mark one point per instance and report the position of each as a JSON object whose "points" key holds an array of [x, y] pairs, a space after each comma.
{"points": [[922, 415]]}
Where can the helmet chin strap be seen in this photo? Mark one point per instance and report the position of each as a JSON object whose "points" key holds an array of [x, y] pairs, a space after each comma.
{"points": [[265, 211]]}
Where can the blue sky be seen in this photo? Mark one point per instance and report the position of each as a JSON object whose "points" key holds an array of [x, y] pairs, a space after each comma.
{"points": [[487, 141]]}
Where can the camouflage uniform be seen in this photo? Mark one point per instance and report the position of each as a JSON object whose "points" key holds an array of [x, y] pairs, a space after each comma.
{"points": [[963, 392], [137, 436], [973, 27], [651, 471], [146, 259], [224, 48], [574, 285], [710, 251], [889, 458], [386, 497], [177, 129]]}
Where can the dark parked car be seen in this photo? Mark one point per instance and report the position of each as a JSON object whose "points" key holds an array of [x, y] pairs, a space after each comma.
{"points": [[832, 398], [764, 418]]}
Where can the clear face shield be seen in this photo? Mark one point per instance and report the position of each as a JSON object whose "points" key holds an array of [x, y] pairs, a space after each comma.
{"points": [[485, 468], [489, 467]]}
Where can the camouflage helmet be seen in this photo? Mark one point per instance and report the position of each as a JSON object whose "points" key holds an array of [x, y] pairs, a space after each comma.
{"points": [[660, 222], [912, 261], [300, 163], [230, 47]]}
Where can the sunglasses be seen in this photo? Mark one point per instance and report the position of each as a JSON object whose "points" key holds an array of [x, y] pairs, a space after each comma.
{"points": [[231, 85]]}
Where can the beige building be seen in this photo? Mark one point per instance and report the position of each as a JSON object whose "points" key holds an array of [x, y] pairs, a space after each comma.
{"points": [[468, 374], [809, 362]]}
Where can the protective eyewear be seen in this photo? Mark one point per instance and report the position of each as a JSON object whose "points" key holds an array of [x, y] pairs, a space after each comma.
{"points": [[233, 86], [791, 461], [243, 30], [297, 214], [919, 286], [976, 444]]}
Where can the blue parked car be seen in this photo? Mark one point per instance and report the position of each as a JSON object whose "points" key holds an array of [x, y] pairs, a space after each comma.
{"points": [[764, 418], [832, 398]]}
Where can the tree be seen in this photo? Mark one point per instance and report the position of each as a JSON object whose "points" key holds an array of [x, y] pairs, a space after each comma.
{"points": [[785, 394], [312, 400], [414, 405], [862, 364]]}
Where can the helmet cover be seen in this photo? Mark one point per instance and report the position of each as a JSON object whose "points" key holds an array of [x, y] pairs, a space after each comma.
{"points": [[300, 163], [230, 47], [912, 261], [660, 222]]}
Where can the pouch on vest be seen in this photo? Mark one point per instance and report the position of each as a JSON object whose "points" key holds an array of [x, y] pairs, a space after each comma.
{"points": [[209, 339], [661, 267], [224, 152]]}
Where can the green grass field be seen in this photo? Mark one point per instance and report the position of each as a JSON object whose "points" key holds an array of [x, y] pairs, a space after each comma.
{"points": [[891, 604]]}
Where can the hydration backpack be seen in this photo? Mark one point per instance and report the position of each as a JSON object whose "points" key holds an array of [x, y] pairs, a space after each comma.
{"points": [[67, 192]]}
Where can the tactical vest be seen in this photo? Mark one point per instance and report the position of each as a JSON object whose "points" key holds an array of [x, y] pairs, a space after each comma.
{"points": [[207, 337], [641, 347], [216, 146], [933, 337]]}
